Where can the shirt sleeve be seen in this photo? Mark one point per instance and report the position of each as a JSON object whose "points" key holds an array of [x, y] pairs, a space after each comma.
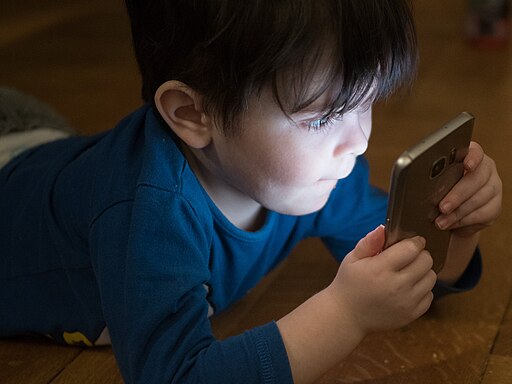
{"points": [[466, 282], [151, 268]]}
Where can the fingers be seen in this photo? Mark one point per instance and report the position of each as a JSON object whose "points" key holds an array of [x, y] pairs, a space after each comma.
{"points": [[475, 201], [401, 254], [426, 283], [371, 244], [418, 268], [422, 279], [474, 157], [424, 304], [466, 187], [479, 208]]}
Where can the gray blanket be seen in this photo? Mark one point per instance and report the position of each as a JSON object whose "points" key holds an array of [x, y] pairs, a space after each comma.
{"points": [[20, 112]]}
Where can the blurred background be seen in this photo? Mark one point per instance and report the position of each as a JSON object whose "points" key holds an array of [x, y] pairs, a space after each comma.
{"points": [[76, 56]]}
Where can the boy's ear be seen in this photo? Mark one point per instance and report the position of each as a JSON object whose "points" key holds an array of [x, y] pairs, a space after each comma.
{"points": [[181, 108]]}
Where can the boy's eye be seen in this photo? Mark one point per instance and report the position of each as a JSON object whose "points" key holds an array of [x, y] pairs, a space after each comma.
{"points": [[320, 124]]}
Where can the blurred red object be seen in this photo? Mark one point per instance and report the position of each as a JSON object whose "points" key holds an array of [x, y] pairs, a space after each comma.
{"points": [[488, 23]]}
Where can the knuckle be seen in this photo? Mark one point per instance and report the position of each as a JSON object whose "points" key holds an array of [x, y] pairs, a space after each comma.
{"points": [[489, 191], [395, 290], [499, 183], [467, 222], [430, 299], [499, 210], [479, 217], [456, 196], [406, 308], [433, 280], [455, 215], [425, 304], [498, 187], [414, 244], [429, 262]]}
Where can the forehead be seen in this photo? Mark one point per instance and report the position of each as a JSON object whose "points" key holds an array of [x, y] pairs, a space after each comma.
{"points": [[320, 85], [264, 107], [323, 104], [323, 94]]}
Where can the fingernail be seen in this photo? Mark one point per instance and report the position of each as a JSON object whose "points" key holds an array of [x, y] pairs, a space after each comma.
{"points": [[442, 222], [372, 233], [470, 165], [446, 207]]}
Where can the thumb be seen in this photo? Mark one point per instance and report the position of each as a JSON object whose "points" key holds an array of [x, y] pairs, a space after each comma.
{"points": [[371, 244]]}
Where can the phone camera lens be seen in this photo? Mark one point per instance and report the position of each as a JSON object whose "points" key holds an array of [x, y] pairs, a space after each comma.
{"points": [[438, 167]]}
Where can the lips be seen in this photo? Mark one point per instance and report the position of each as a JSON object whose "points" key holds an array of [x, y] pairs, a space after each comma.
{"points": [[348, 167], [342, 171]]}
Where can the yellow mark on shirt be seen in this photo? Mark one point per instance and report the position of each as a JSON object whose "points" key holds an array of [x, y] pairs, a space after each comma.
{"points": [[76, 338]]}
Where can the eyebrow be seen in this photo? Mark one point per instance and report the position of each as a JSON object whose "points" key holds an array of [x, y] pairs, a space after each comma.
{"points": [[312, 109], [309, 111]]}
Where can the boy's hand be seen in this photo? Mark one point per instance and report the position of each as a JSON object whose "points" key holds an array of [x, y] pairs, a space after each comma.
{"points": [[475, 201], [385, 290]]}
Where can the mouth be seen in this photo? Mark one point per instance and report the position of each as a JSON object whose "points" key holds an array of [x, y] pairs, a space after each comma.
{"points": [[347, 169]]}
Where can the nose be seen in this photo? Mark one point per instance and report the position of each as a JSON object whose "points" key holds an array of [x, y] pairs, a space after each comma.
{"points": [[354, 136]]}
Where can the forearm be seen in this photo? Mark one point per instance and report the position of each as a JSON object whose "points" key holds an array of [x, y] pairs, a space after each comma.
{"points": [[317, 335], [371, 292], [460, 252]]}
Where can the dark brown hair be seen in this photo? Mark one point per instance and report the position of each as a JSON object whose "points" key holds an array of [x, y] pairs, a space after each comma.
{"points": [[228, 50]]}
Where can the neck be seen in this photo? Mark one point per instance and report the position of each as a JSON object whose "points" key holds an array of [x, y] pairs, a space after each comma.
{"points": [[241, 210]]}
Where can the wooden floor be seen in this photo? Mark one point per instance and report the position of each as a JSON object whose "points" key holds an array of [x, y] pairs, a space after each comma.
{"points": [[76, 56]]}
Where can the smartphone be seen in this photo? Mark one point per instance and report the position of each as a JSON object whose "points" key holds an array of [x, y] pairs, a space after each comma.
{"points": [[420, 179]]}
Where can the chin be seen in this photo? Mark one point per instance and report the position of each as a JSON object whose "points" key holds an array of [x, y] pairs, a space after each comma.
{"points": [[300, 209]]}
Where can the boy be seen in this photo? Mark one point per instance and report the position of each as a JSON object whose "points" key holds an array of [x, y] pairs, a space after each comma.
{"points": [[256, 116]]}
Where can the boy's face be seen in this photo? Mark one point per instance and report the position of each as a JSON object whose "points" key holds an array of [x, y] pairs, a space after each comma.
{"points": [[287, 166]]}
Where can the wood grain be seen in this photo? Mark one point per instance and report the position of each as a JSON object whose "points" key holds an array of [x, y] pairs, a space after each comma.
{"points": [[28, 361], [503, 342], [77, 57], [499, 370], [96, 366]]}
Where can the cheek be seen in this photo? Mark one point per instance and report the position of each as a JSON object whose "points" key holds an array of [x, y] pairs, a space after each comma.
{"points": [[291, 168], [285, 159]]}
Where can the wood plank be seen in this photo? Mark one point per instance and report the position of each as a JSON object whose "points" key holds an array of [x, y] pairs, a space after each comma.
{"points": [[499, 370], [427, 351], [503, 343], [96, 365], [33, 361], [227, 323], [34, 21], [463, 369], [308, 269], [448, 345], [51, 57], [79, 60]]}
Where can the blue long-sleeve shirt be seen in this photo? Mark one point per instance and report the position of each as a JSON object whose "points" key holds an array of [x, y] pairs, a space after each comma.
{"points": [[115, 231]]}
